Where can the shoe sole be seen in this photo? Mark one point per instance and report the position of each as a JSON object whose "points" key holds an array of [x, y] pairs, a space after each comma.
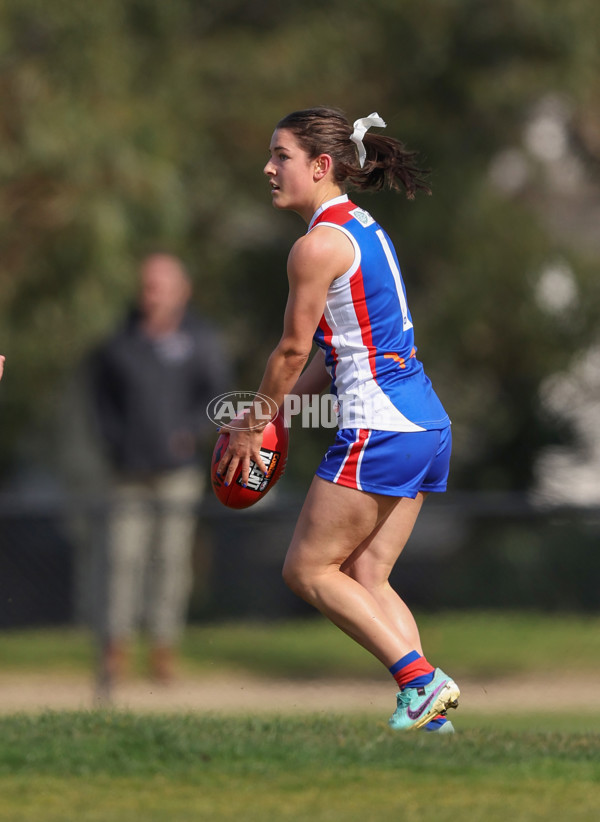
{"points": [[447, 698], [445, 729]]}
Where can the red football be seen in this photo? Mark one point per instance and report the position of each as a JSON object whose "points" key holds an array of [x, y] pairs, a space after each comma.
{"points": [[273, 451]]}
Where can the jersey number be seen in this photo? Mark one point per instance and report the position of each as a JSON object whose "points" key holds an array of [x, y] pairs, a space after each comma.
{"points": [[406, 323]]}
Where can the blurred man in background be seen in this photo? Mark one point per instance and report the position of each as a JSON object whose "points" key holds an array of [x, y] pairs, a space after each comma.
{"points": [[150, 385]]}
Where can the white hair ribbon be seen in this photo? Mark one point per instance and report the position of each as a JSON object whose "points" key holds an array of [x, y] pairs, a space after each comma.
{"points": [[360, 129]]}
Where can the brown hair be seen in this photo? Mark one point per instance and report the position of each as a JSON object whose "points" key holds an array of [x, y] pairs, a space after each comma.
{"points": [[389, 164]]}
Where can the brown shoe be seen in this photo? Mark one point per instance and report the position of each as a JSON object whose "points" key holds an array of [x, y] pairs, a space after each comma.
{"points": [[162, 664], [114, 664]]}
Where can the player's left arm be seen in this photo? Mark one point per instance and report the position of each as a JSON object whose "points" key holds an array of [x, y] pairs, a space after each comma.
{"points": [[314, 378], [314, 262]]}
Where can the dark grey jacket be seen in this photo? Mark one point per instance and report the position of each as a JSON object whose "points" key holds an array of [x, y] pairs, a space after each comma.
{"points": [[149, 397]]}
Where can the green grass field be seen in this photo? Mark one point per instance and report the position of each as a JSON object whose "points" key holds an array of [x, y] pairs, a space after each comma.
{"points": [[120, 767]]}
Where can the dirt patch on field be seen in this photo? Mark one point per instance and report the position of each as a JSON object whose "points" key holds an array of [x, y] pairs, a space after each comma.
{"points": [[224, 694]]}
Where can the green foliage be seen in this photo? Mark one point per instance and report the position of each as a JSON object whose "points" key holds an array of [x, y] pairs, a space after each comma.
{"points": [[136, 124]]}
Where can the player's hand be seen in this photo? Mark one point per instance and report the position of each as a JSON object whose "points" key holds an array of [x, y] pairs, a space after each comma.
{"points": [[1, 365], [243, 447]]}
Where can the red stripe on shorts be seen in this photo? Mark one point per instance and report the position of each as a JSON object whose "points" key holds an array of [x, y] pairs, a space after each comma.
{"points": [[348, 473]]}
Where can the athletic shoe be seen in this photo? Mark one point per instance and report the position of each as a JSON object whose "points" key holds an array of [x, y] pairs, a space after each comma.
{"points": [[417, 706], [162, 664], [439, 728]]}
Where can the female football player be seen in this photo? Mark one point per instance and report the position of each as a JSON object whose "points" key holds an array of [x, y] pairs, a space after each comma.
{"points": [[393, 443]]}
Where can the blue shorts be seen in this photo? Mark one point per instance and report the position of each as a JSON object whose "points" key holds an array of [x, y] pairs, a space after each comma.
{"points": [[394, 463]]}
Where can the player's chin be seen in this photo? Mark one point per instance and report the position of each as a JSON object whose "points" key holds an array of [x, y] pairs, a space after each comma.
{"points": [[279, 200]]}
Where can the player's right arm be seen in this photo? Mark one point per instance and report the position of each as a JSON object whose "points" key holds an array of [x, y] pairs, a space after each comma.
{"points": [[315, 260]]}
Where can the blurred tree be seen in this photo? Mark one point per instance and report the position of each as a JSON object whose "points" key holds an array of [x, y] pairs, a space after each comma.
{"points": [[140, 123]]}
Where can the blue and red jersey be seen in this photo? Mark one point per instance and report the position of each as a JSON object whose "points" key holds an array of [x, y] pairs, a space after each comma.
{"points": [[367, 333]]}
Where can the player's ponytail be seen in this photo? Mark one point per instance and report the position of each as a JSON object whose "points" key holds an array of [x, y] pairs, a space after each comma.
{"points": [[389, 165], [362, 160]]}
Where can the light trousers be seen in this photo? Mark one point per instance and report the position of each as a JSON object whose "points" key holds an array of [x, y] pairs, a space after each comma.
{"points": [[150, 539]]}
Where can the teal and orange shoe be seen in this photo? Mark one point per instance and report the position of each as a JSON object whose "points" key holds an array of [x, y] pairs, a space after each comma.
{"points": [[418, 706]]}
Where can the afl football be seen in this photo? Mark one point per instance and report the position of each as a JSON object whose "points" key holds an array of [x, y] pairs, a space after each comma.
{"points": [[273, 452]]}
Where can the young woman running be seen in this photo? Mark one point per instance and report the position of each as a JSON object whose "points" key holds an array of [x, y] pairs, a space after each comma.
{"points": [[393, 443]]}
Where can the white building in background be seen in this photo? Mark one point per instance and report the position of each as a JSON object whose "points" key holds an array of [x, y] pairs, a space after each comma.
{"points": [[571, 474], [568, 474]]}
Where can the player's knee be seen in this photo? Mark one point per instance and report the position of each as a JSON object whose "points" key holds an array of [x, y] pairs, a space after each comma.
{"points": [[291, 576], [297, 579]]}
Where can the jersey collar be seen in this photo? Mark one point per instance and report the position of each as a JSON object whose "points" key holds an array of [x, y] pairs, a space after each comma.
{"points": [[343, 198]]}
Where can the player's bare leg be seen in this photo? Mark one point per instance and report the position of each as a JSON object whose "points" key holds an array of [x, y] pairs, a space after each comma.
{"points": [[342, 551], [333, 522], [372, 562]]}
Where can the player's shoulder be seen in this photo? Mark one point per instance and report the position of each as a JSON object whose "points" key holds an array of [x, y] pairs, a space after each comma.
{"points": [[323, 248]]}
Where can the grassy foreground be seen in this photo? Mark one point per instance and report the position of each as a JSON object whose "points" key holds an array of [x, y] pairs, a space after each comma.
{"points": [[105, 767], [120, 767]]}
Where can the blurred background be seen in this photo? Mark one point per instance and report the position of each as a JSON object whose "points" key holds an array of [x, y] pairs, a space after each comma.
{"points": [[131, 125]]}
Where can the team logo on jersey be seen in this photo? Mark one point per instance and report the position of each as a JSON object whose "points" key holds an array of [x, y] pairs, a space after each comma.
{"points": [[363, 217]]}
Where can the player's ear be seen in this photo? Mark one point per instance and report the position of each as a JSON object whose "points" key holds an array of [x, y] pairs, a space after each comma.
{"points": [[322, 164]]}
